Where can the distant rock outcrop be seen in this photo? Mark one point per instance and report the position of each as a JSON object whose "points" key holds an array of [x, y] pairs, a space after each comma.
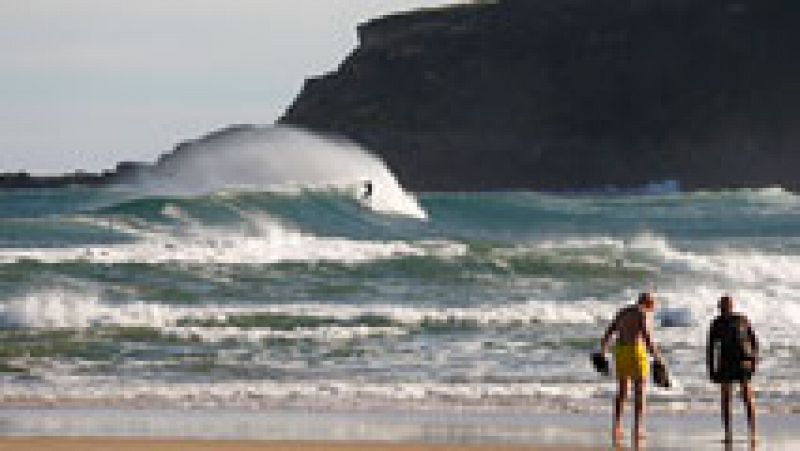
{"points": [[569, 94], [125, 172]]}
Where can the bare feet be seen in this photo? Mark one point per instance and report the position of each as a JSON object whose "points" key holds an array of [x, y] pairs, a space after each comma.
{"points": [[616, 436], [638, 437], [728, 438]]}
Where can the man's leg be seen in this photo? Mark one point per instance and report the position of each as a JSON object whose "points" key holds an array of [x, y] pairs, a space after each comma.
{"points": [[725, 390], [639, 405], [747, 397], [619, 407]]}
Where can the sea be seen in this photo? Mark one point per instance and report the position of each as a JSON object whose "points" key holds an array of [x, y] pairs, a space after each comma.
{"points": [[258, 274]]}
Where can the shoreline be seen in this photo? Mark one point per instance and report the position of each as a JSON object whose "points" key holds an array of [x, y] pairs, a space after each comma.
{"points": [[60, 428], [138, 444], [659, 404]]}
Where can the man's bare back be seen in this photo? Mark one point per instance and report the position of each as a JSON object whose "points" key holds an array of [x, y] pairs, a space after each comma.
{"points": [[630, 325], [631, 330]]}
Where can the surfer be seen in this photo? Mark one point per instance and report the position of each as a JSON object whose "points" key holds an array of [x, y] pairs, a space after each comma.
{"points": [[731, 355], [632, 330], [367, 190]]}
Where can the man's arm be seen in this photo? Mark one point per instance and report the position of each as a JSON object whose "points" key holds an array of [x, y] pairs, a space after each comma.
{"points": [[753, 341], [710, 349], [607, 336]]}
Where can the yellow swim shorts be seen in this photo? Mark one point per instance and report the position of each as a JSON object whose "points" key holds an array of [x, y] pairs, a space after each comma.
{"points": [[630, 361]]}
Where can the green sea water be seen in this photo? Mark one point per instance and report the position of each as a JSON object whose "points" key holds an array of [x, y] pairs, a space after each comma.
{"points": [[312, 298]]}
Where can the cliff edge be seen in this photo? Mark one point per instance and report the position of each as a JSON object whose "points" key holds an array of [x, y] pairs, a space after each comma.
{"points": [[571, 94]]}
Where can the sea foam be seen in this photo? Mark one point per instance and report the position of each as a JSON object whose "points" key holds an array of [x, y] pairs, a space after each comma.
{"points": [[261, 239]]}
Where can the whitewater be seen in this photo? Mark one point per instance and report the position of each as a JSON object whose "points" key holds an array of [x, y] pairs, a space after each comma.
{"points": [[255, 272]]}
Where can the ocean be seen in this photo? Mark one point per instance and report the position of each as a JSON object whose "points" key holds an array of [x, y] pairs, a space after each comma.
{"points": [[229, 286]]}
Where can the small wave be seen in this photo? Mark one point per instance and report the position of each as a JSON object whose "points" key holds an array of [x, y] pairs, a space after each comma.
{"points": [[658, 254], [260, 240], [765, 193], [654, 188], [325, 334], [320, 393], [65, 308], [62, 308], [765, 201]]}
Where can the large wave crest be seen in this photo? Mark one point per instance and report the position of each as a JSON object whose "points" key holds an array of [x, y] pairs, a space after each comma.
{"points": [[279, 159]]}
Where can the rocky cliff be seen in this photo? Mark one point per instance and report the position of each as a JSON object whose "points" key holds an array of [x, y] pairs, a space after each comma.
{"points": [[565, 94]]}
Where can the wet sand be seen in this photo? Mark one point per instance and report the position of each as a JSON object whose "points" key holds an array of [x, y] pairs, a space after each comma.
{"points": [[125, 444], [111, 429]]}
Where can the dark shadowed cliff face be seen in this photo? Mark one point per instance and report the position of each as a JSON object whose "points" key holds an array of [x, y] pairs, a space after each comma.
{"points": [[573, 93]]}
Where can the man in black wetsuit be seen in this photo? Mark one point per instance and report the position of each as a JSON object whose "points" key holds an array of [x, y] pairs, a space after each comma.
{"points": [[367, 189], [732, 353]]}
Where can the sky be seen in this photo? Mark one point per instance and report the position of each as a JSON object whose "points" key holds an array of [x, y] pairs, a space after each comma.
{"points": [[85, 84]]}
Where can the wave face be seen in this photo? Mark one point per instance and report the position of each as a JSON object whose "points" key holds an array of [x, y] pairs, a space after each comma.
{"points": [[279, 159], [307, 296]]}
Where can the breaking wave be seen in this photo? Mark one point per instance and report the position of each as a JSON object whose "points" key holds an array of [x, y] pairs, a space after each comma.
{"points": [[279, 159]]}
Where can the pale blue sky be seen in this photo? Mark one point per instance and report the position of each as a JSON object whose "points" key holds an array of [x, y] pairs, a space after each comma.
{"points": [[87, 83]]}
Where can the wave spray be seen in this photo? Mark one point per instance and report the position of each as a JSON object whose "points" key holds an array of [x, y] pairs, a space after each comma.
{"points": [[279, 159]]}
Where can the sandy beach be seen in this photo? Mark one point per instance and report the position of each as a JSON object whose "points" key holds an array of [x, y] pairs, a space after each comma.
{"points": [[129, 444], [235, 430]]}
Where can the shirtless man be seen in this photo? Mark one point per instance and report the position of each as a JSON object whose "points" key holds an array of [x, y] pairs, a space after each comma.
{"points": [[632, 330]]}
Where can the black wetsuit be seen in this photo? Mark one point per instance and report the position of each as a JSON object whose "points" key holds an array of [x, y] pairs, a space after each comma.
{"points": [[732, 349]]}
